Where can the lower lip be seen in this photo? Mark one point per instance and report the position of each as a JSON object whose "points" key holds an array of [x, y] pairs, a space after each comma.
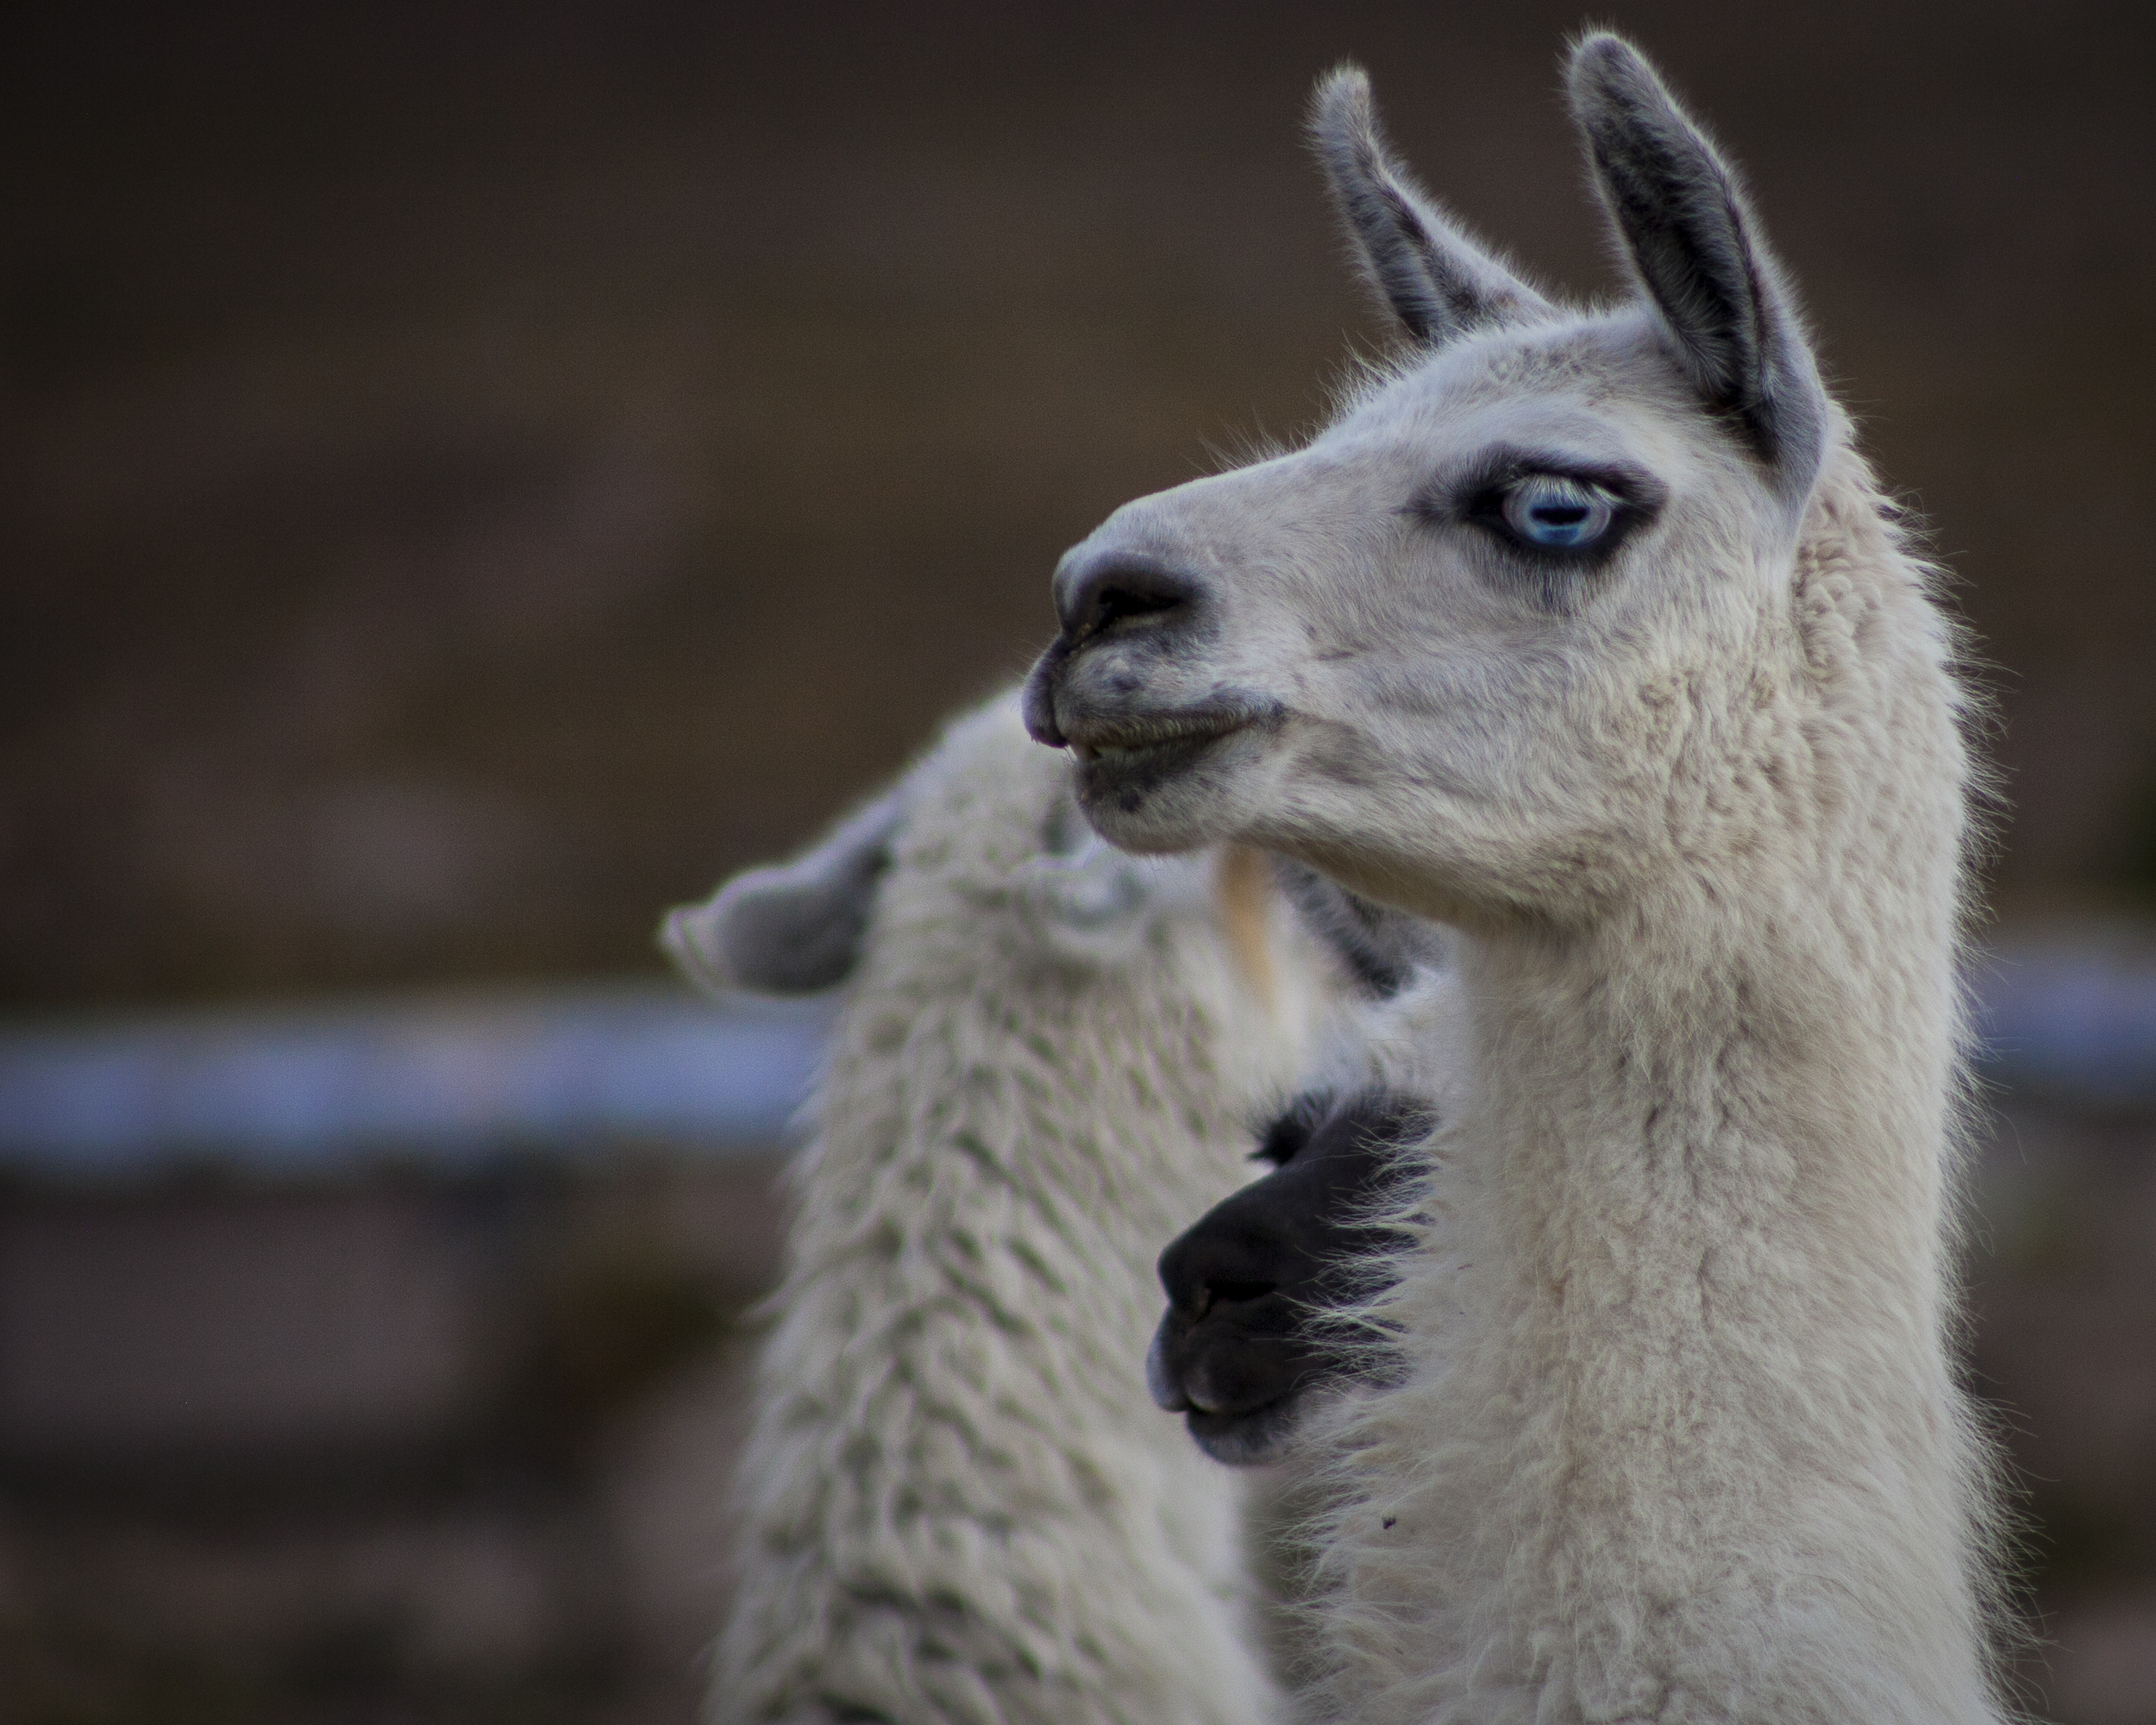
{"points": [[1131, 755], [1253, 1438], [1152, 761]]}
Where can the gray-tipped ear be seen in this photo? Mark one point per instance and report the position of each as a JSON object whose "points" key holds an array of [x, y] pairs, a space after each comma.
{"points": [[1693, 243], [1435, 280], [795, 928]]}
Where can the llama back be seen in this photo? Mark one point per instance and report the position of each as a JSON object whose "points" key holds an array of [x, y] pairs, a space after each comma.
{"points": [[957, 1502]]}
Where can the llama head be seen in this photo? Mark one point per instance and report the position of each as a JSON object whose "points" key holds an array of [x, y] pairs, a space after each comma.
{"points": [[1453, 651]]}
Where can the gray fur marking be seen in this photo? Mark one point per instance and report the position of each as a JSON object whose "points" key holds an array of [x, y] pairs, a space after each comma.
{"points": [[1383, 948]]}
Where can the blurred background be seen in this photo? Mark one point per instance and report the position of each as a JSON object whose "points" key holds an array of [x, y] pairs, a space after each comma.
{"points": [[471, 476]]}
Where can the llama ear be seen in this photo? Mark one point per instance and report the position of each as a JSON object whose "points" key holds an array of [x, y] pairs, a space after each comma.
{"points": [[1437, 282], [795, 928], [1690, 239]]}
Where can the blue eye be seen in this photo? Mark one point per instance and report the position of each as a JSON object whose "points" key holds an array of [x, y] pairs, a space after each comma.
{"points": [[1560, 514]]}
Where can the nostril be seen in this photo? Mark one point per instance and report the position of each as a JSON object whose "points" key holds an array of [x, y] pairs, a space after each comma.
{"points": [[1210, 1266], [1113, 604], [1118, 587]]}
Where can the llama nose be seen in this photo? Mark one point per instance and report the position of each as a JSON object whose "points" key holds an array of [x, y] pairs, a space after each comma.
{"points": [[1094, 589], [1215, 1265]]}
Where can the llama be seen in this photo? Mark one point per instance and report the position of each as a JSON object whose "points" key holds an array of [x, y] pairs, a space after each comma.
{"points": [[1588, 633], [958, 1504]]}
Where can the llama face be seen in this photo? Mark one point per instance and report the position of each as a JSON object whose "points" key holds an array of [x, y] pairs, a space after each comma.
{"points": [[1453, 652], [1246, 1341]]}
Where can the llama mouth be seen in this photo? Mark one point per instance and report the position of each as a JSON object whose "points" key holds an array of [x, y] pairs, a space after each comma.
{"points": [[1254, 1438], [1127, 771], [1125, 757], [1129, 758], [1112, 751]]}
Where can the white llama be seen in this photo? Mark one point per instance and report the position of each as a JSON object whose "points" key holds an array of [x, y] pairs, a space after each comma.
{"points": [[1588, 633], [958, 1505]]}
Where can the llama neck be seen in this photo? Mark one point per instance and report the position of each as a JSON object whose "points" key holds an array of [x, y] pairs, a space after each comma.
{"points": [[1726, 1107], [1708, 1233], [1679, 1382], [1717, 1142]]}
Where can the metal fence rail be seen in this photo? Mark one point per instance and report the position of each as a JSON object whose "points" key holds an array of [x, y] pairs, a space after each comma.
{"points": [[445, 1079], [452, 1079], [2071, 1022]]}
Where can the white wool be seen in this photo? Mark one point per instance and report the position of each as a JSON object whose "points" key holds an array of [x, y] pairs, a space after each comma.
{"points": [[958, 1504]]}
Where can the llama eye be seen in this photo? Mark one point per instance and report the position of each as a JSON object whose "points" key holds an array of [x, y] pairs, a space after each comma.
{"points": [[1560, 514]]}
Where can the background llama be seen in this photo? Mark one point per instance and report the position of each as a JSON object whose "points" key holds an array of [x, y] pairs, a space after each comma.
{"points": [[473, 481]]}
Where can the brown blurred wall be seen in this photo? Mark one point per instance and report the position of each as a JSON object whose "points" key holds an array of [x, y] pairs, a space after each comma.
{"points": [[468, 480]]}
